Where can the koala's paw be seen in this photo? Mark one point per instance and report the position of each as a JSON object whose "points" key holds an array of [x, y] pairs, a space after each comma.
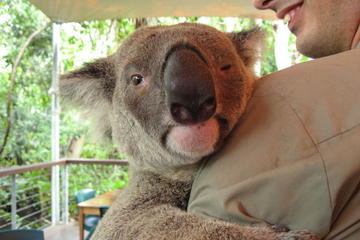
{"points": [[279, 228], [297, 235]]}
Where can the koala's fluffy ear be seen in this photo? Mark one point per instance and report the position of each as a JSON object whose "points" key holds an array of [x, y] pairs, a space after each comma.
{"points": [[89, 85], [249, 44], [90, 89]]}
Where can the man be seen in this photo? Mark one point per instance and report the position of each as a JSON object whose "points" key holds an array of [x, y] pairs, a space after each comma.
{"points": [[322, 27], [294, 158]]}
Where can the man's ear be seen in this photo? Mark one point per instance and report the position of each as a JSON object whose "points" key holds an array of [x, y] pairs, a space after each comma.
{"points": [[249, 44], [91, 89]]}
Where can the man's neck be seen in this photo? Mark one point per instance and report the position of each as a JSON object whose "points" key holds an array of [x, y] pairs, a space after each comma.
{"points": [[356, 40]]}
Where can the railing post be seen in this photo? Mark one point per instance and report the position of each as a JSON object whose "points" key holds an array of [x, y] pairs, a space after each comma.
{"points": [[13, 201], [65, 181], [257, 66], [55, 126]]}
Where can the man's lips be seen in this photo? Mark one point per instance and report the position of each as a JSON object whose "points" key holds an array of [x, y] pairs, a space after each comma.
{"points": [[288, 10]]}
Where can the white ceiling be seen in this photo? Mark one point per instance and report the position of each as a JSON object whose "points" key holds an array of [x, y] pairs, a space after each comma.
{"points": [[81, 10]]}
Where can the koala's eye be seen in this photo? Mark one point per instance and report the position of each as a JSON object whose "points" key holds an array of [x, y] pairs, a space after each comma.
{"points": [[136, 79], [225, 67]]}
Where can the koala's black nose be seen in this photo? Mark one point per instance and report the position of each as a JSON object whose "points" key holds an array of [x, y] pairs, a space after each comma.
{"points": [[189, 87]]}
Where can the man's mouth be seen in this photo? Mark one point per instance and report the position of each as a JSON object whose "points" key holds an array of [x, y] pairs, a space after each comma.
{"points": [[290, 14]]}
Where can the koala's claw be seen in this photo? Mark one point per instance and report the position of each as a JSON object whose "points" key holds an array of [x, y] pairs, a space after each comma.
{"points": [[279, 228], [298, 235]]}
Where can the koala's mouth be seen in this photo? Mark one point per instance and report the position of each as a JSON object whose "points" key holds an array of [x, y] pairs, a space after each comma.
{"points": [[194, 141]]}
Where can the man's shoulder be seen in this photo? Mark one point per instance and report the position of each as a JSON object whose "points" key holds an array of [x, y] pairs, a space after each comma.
{"points": [[293, 159], [323, 93], [338, 70]]}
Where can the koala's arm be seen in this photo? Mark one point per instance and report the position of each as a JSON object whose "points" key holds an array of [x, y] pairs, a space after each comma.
{"points": [[165, 222], [152, 208]]}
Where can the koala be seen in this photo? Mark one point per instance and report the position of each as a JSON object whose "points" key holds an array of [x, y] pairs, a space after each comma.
{"points": [[168, 98]]}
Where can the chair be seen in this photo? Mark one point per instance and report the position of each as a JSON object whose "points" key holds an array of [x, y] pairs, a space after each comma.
{"points": [[90, 221], [103, 210], [22, 234]]}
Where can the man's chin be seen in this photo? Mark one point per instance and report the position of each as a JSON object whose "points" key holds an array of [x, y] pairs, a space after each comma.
{"points": [[306, 48]]}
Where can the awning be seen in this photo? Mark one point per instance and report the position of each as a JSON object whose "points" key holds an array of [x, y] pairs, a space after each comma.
{"points": [[82, 10]]}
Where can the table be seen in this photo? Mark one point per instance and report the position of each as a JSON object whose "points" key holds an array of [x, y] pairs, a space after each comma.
{"points": [[92, 206]]}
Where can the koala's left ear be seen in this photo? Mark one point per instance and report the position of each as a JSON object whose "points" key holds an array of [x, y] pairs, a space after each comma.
{"points": [[249, 44]]}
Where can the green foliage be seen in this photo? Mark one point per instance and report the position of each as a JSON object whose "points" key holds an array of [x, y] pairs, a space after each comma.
{"points": [[268, 64], [30, 108]]}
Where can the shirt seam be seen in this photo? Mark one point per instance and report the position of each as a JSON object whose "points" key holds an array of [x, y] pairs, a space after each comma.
{"points": [[313, 142], [338, 134]]}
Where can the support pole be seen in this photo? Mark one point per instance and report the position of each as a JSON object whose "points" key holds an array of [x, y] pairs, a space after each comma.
{"points": [[13, 201], [55, 123], [282, 56], [65, 188], [257, 66]]}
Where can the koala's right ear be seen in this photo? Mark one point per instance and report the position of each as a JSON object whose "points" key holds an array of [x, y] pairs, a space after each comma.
{"points": [[90, 85], [91, 88]]}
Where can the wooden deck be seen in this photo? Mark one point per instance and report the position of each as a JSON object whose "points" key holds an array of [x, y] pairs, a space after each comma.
{"points": [[63, 232]]}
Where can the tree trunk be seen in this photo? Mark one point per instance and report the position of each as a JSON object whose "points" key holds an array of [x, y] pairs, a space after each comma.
{"points": [[12, 83], [74, 148]]}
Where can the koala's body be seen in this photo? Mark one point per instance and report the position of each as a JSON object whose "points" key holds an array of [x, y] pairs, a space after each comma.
{"points": [[168, 98]]}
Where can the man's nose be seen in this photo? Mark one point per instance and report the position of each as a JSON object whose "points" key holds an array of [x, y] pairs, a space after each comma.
{"points": [[262, 4]]}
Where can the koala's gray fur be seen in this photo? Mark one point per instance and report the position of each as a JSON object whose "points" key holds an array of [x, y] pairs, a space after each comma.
{"points": [[136, 115]]}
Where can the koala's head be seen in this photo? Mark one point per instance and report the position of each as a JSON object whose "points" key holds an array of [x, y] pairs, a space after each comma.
{"points": [[170, 94]]}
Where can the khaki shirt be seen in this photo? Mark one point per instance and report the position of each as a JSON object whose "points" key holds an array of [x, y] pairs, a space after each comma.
{"points": [[294, 158]]}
